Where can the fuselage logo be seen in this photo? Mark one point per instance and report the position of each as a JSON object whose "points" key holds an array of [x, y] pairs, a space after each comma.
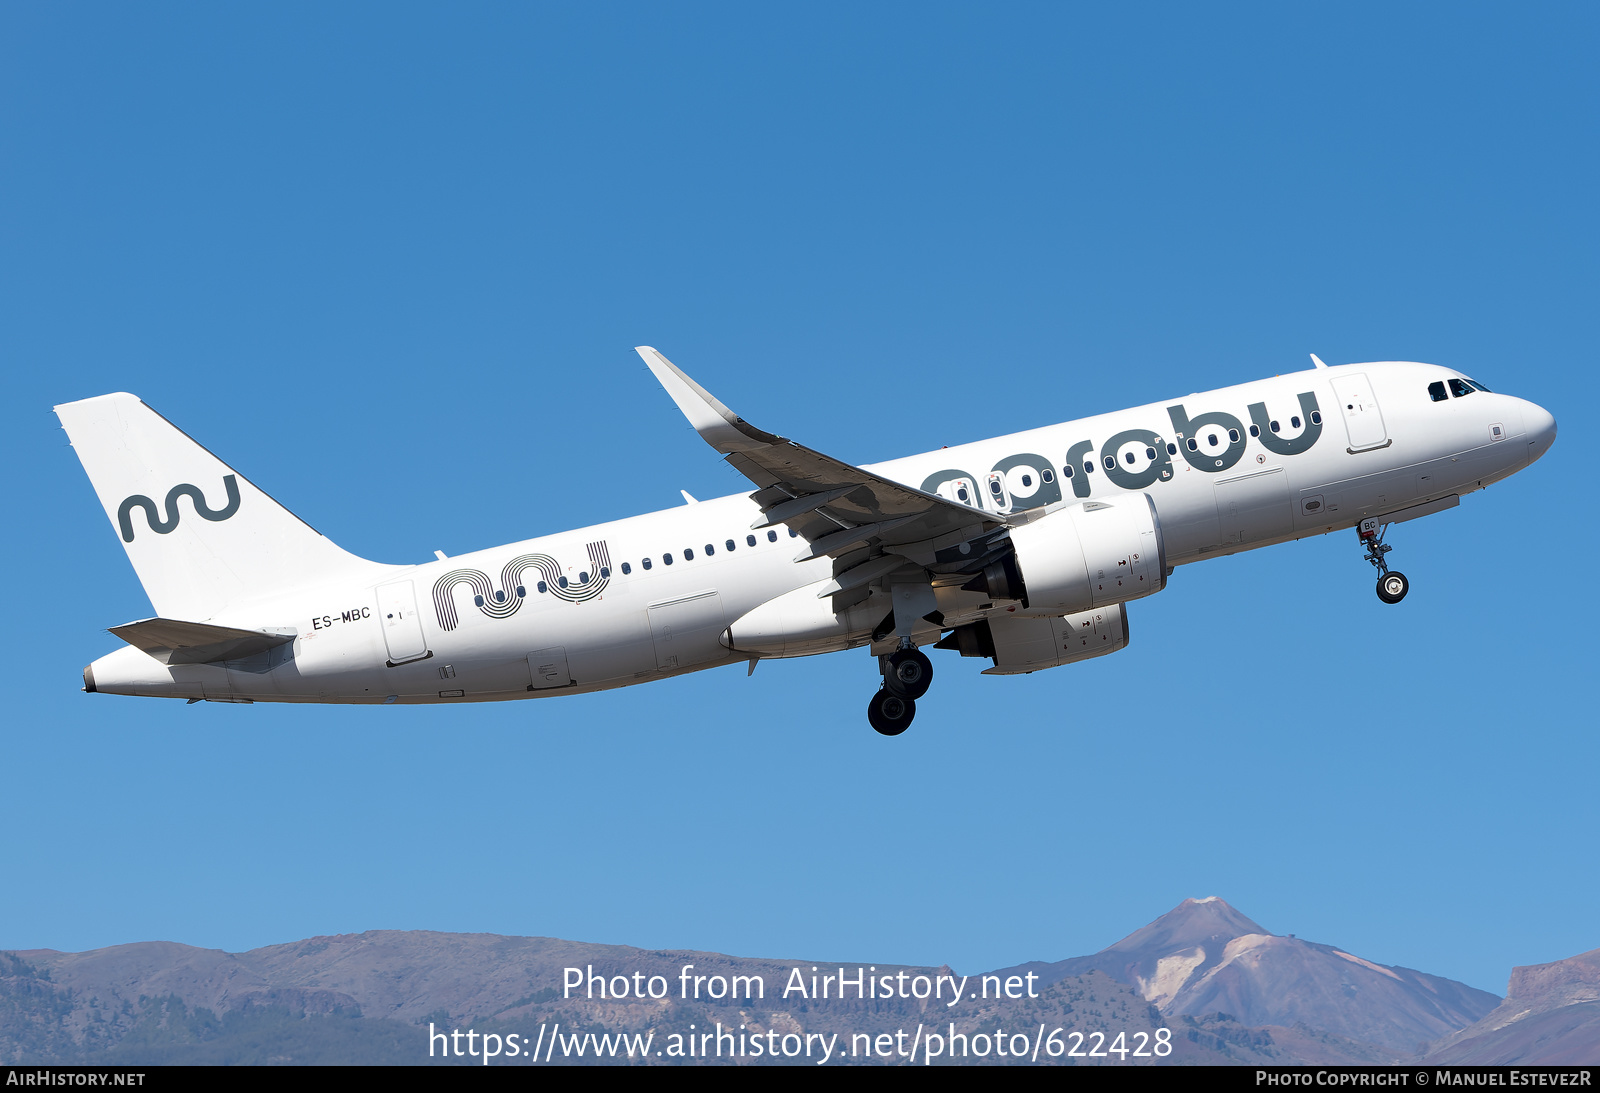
{"points": [[1134, 459], [230, 485], [503, 602]]}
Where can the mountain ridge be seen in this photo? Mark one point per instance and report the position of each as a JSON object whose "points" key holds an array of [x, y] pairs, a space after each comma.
{"points": [[1227, 990]]}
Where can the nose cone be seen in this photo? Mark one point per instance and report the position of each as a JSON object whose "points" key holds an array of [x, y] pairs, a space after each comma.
{"points": [[1541, 429]]}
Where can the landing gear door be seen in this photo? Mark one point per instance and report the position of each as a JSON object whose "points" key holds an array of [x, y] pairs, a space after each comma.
{"points": [[1363, 421], [402, 625]]}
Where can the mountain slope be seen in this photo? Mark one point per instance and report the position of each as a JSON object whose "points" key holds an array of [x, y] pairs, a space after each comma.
{"points": [[1204, 956], [1551, 1017]]}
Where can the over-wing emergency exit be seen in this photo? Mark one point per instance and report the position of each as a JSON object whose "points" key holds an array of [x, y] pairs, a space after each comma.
{"points": [[1024, 550]]}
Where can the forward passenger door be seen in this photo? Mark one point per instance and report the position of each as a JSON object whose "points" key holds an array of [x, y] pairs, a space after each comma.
{"points": [[1363, 421]]}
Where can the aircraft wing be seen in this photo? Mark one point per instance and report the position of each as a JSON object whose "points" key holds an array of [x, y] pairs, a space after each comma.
{"points": [[869, 524]]}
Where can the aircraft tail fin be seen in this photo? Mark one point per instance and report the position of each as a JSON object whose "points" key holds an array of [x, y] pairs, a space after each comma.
{"points": [[200, 535]]}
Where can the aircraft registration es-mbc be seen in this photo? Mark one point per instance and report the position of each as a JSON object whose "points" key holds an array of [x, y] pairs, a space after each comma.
{"points": [[1025, 549]]}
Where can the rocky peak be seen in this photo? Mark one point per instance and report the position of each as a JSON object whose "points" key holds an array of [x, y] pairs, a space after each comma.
{"points": [[1208, 923], [1561, 983]]}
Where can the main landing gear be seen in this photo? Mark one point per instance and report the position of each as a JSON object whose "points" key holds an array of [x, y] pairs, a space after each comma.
{"points": [[1392, 585], [907, 675]]}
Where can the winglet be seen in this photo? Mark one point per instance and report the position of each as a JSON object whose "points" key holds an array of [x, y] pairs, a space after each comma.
{"points": [[717, 425], [1316, 360]]}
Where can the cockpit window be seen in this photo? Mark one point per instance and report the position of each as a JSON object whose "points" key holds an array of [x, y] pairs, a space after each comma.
{"points": [[1436, 391], [1480, 387], [1459, 388]]}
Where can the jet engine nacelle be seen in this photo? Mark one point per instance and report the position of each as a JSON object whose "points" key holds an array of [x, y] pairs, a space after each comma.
{"points": [[1082, 557], [1022, 645]]}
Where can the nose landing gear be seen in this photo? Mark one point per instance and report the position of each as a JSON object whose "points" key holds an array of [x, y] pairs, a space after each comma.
{"points": [[1392, 585], [907, 675]]}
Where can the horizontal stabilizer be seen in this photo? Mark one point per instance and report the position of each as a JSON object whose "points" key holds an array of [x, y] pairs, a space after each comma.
{"points": [[171, 641]]}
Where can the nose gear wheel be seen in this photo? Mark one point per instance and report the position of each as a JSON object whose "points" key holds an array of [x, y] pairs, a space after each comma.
{"points": [[1393, 586]]}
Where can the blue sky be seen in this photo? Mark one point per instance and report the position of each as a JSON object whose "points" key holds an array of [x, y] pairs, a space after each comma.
{"points": [[389, 262]]}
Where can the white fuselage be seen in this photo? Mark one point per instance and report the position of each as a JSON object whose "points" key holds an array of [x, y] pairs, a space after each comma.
{"points": [[453, 630]]}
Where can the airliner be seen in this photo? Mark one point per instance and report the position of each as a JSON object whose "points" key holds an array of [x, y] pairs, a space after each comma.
{"points": [[1024, 550]]}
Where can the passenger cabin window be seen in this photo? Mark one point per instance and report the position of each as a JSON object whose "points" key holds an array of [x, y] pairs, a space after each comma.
{"points": [[772, 537], [729, 544], [1194, 445], [1459, 388], [1294, 422], [793, 533], [626, 569], [1436, 391], [1110, 462], [1255, 430], [543, 587], [1048, 475], [688, 554], [1088, 466], [666, 559], [1067, 470], [750, 540], [710, 550], [646, 563], [1172, 449], [1273, 425]]}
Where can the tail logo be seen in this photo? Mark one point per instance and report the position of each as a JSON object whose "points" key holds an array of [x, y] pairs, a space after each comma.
{"points": [[502, 602], [182, 489]]}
